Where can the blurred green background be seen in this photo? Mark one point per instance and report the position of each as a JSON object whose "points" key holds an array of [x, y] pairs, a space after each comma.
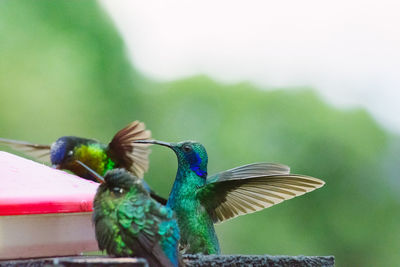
{"points": [[64, 71]]}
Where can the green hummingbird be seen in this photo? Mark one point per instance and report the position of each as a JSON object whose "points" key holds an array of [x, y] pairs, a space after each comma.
{"points": [[200, 201], [121, 152], [128, 222]]}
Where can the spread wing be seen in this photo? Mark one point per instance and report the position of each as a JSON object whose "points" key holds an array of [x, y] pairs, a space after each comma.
{"points": [[229, 198], [131, 156], [41, 152], [250, 170]]}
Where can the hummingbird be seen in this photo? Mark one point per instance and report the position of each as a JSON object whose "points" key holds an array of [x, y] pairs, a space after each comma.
{"points": [[121, 152], [200, 201], [128, 222]]}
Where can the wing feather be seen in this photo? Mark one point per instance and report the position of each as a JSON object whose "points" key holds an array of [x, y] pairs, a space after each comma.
{"points": [[41, 152], [250, 170], [227, 199], [144, 240], [130, 155]]}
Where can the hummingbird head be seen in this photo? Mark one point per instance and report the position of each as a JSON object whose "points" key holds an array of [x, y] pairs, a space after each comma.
{"points": [[191, 155], [118, 182], [119, 188], [62, 151], [115, 185]]}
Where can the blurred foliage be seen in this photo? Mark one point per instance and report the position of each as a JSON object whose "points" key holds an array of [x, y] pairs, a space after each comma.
{"points": [[64, 71]]}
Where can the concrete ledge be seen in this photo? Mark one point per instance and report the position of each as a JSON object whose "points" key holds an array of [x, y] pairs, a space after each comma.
{"points": [[258, 260], [190, 260]]}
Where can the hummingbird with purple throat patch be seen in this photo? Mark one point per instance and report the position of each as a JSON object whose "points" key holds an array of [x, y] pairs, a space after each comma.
{"points": [[200, 201]]}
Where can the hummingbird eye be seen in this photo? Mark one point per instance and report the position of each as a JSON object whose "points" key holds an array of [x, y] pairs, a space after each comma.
{"points": [[70, 153], [117, 190], [187, 148]]}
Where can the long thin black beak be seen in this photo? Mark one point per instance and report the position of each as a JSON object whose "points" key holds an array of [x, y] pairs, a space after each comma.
{"points": [[92, 172], [155, 142]]}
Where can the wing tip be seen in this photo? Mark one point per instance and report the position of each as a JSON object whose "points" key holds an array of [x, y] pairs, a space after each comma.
{"points": [[251, 207]]}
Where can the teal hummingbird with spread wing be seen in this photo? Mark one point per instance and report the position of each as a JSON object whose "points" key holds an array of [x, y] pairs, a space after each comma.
{"points": [[200, 200], [128, 222], [121, 152]]}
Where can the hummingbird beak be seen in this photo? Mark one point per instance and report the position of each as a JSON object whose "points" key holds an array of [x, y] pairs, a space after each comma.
{"points": [[154, 142], [92, 172]]}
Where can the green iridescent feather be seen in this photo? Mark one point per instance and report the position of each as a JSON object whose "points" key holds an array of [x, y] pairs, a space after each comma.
{"points": [[128, 222], [94, 155], [196, 226]]}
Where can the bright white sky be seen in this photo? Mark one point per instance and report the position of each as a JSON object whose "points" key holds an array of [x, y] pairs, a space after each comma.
{"points": [[349, 51]]}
